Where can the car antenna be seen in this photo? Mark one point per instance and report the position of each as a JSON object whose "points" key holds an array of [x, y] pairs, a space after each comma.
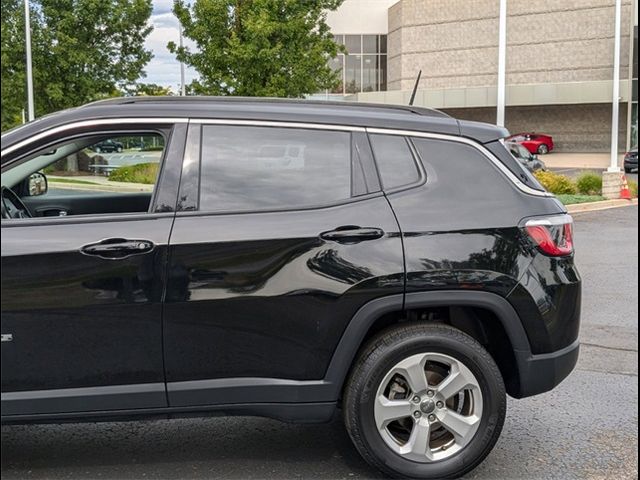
{"points": [[415, 88]]}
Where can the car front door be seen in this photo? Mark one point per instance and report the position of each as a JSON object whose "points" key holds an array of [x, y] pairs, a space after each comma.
{"points": [[82, 293], [282, 236]]}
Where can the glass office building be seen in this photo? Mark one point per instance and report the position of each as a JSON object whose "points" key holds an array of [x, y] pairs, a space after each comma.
{"points": [[558, 74], [363, 68]]}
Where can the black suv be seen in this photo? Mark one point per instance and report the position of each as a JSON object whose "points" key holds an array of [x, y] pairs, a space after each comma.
{"points": [[108, 146], [631, 160], [293, 259]]}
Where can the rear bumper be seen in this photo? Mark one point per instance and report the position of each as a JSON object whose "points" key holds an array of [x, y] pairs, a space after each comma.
{"points": [[541, 373]]}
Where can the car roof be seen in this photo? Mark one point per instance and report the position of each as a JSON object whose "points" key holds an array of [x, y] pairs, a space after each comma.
{"points": [[531, 134], [399, 117]]}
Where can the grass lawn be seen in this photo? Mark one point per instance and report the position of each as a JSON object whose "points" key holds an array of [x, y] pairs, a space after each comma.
{"points": [[572, 199], [140, 173]]}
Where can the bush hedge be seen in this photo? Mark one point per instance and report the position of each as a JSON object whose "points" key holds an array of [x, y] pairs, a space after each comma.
{"points": [[556, 183], [589, 183], [588, 186]]}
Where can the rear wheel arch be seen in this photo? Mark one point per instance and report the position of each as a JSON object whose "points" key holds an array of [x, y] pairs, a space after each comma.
{"points": [[500, 325]]}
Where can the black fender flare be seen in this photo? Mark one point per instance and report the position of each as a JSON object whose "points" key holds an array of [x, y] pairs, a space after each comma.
{"points": [[353, 336]]}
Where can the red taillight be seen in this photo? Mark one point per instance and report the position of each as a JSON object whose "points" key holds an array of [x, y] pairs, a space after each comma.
{"points": [[552, 235]]}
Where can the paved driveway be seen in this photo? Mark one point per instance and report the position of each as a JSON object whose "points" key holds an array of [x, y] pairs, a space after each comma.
{"points": [[586, 428]]}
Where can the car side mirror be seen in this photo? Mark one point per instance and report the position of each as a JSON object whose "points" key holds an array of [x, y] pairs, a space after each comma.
{"points": [[38, 184]]}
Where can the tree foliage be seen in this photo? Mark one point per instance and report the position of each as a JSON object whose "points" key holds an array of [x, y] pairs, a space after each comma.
{"points": [[147, 89], [12, 63], [273, 48], [83, 50]]}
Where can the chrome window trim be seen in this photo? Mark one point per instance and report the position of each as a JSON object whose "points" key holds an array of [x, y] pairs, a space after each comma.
{"points": [[269, 123], [285, 124], [90, 123], [481, 148]]}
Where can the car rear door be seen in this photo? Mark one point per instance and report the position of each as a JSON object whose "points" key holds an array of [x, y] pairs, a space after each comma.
{"points": [[82, 302], [282, 236]]}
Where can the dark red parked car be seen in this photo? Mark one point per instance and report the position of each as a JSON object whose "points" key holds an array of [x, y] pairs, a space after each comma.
{"points": [[534, 142]]}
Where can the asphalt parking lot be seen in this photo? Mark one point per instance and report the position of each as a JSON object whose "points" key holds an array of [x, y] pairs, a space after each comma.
{"points": [[586, 428]]}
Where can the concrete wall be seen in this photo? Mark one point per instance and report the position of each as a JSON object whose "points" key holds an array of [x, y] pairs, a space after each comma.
{"points": [[360, 17], [455, 42], [574, 128]]}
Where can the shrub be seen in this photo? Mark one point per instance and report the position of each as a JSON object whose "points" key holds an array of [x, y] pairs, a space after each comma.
{"points": [[589, 183], [140, 173], [633, 186], [556, 184], [572, 199]]}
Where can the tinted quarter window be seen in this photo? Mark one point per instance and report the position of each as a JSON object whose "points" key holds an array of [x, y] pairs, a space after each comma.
{"points": [[262, 168], [478, 183], [395, 161]]}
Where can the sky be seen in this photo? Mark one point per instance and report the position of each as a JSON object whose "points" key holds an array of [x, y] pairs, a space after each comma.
{"points": [[164, 69]]}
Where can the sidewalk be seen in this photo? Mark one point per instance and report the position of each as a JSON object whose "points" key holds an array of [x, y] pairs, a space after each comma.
{"points": [[596, 161]]}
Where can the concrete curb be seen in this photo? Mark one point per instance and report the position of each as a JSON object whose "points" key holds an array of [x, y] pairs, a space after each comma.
{"points": [[119, 187], [603, 205]]}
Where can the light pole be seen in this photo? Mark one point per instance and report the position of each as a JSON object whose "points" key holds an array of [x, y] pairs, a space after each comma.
{"points": [[29, 67], [502, 63], [612, 177], [614, 167], [183, 90]]}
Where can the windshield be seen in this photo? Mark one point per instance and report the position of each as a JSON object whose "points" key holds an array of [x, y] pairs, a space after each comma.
{"points": [[523, 152]]}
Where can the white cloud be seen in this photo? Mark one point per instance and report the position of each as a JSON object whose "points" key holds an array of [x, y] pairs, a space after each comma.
{"points": [[162, 6], [164, 69]]}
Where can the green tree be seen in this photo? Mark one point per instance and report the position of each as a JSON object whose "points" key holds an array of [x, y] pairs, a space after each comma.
{"points": [[12, 61], [275, 48], [148, 90], [83, 50]]}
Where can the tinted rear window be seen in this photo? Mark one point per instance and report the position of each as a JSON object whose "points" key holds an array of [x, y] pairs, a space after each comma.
{"points": [[261, 168], [395, 161], [509, 161]]}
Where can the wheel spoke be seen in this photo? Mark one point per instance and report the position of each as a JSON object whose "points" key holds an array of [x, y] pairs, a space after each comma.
{"points": [[460, 426], [386, 411], [418, 443], [412, 369], [456, 381]]}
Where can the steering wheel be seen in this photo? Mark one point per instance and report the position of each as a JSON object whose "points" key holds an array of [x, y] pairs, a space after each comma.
{"points": [[12, 205]]}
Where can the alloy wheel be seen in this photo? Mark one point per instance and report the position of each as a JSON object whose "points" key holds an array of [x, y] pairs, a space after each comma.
{"points": [[428, 407]]}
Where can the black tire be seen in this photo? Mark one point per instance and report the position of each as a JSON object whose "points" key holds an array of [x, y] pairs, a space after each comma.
{"points": [[380, 355], [627, 170], [543, 149]]}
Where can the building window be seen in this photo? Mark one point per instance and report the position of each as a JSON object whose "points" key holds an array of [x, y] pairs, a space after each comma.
{"points": [[364, 67]]}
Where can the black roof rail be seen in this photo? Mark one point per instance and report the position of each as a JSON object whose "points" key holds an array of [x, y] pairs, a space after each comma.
{"points": [[424, 111]]}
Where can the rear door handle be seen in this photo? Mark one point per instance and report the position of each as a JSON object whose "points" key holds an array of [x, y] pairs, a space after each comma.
{"points": [[352, 234], [117, 248]]}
